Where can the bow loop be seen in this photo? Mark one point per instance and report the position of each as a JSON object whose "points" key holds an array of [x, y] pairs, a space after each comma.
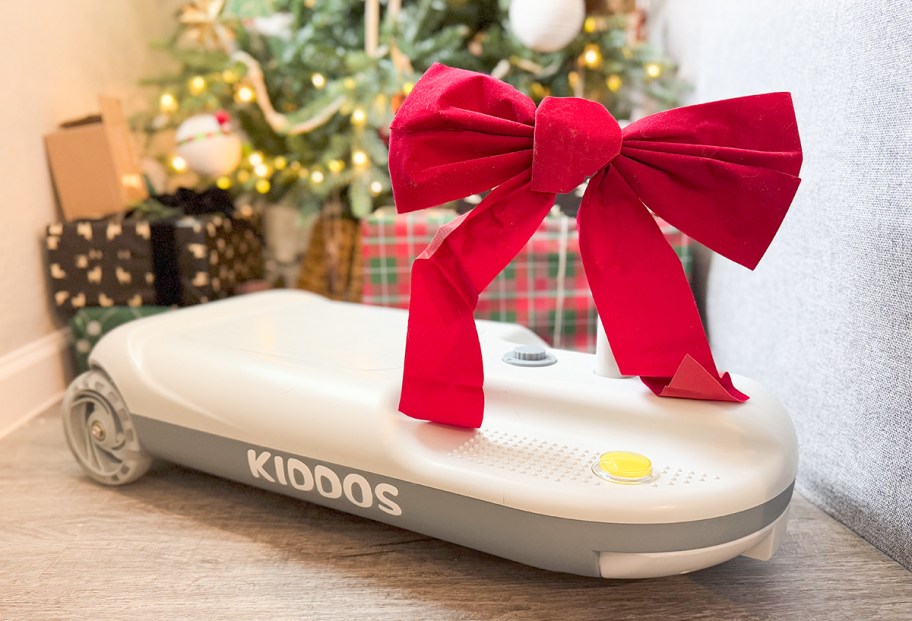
{"points": [[723, 172], [475, 136], [574, 138]]}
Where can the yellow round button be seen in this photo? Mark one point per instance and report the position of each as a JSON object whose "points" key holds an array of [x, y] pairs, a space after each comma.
{"points": [[625, 465]]}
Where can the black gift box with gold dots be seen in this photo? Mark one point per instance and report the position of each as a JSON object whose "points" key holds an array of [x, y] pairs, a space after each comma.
{"points": [[203, 258], [185, 260], [100, 263]]}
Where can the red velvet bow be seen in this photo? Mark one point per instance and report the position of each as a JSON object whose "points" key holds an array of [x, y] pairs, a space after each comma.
{"points": [[724, 173]]}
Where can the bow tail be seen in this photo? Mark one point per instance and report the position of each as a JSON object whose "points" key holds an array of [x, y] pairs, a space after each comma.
{"points": [[643, 297], [443, 375]]}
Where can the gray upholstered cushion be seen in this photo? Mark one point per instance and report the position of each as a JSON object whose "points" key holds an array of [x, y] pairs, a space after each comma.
{"points": [[826, 320]]}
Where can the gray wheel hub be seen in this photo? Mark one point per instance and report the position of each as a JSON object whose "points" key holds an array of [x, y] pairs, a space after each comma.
{"points": [[100, 432]]}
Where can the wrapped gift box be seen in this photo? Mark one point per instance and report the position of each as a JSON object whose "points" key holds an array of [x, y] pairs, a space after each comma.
{"points": [[203, 258], [88, 325], [543, 288], [184, 261], [100, 263]]}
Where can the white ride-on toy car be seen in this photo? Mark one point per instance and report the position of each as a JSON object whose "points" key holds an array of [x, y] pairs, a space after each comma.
{"points": [[571, 471]]}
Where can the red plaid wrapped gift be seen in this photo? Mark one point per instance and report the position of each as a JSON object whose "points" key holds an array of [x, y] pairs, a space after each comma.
{"points": [[543, 288]]}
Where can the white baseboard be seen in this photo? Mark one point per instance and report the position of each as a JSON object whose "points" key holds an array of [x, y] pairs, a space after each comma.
{"points": [[32, 379]]}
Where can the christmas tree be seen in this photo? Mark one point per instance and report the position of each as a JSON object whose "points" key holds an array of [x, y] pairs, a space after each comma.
{"points": [[312, 85]]}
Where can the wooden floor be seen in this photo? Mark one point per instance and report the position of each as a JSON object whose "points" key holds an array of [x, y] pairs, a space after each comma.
{"points": [[180, 544]]}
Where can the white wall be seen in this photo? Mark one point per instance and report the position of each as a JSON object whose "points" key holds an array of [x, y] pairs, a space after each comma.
{"points": [[56, 56]]}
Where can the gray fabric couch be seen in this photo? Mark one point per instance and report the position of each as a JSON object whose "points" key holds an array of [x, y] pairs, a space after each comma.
{"points": [[826, 320]]}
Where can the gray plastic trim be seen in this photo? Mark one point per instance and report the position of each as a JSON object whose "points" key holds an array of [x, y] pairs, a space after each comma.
{"points": [[548, 542]]}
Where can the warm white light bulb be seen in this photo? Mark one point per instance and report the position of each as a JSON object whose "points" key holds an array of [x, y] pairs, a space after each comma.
{"points": [[167, 102], [359, 158], [197, 85], [244, 94], [358, 117], [178, 163]]}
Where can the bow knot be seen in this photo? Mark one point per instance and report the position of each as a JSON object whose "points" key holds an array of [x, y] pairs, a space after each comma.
{"points": [[573, 139], [723, 173]]}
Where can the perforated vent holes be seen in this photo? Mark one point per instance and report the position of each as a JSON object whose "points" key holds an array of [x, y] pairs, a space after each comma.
{"points": [[554, 461]]}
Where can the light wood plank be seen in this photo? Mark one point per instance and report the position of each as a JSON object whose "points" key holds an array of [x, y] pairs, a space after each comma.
{"points": [[181, 544]]}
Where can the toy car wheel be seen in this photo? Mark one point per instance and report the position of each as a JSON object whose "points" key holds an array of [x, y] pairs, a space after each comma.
{"points": [[100, 432]]}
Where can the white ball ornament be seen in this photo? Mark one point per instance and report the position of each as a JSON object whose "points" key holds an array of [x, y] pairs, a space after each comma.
{"points": [[546, 25], [209, 145]]}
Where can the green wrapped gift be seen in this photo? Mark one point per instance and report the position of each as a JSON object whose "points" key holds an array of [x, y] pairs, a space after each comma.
{"points": [[89, 324]]}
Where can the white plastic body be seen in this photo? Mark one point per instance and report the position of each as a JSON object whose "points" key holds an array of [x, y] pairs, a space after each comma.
{"points": [[300, 374], [605, 363]]}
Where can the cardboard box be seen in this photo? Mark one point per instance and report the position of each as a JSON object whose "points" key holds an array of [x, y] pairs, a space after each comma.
{"points": [[95, 168]]}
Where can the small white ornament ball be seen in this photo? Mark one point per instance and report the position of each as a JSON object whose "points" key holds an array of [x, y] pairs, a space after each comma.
{"points": [[208, 144], [546, 25]]}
